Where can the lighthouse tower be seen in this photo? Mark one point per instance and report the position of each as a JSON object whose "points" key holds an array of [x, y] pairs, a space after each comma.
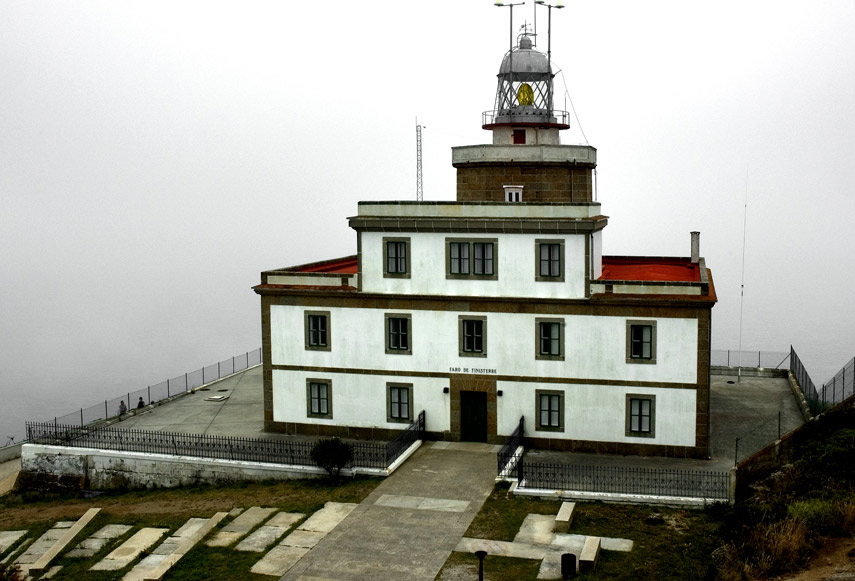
{"points": [[526, 161]]}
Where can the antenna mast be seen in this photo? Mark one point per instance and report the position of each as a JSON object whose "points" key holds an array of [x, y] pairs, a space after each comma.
{"points": [[419, 190]]}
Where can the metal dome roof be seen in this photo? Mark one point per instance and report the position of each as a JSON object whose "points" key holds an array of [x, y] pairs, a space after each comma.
{"points": [[526, 60]]}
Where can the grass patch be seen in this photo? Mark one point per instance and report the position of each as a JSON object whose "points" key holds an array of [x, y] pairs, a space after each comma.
{"points": [[170, 508], [668, 543], [461, 566]]}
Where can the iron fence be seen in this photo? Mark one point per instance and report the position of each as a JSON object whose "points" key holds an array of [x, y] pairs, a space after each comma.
{"points": [[110, 408], [735, 358], [839, 387], [624, 480], [806, 383], [279, 451], [405, 439], [509, 449]]}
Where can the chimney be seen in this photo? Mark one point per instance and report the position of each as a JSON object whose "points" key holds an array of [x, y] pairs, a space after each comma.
{"points": [[696, 247]]}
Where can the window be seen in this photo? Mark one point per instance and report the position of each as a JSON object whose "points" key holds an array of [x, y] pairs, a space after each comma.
{"points": [[641, 341], [399, 399], [550, 410], [550, 339], [641, 415], [473, 336], [398, 334], [519, 136], [549, 260], [513, 193], [471, 258], [396, 257], [318, 332], [319, 398]]}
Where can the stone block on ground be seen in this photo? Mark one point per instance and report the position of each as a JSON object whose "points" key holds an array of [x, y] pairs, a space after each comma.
{"points": [[328, 517], [240, 526], [536, 529], [564, 518], [91, 545], [588, 556], [279, 560], [9, 538], [127, 552]]}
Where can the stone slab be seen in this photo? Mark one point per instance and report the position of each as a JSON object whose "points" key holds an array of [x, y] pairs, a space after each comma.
{"points": [[240, 526], [422, 503], [26, 543], [285, 519], [155, 566], [9, 538], [501, 548], [261, 538], [328, 517], [52, 572], [609, 544], [301, 538], [565, 517], [67, 535], [99, 539], [279, 560], [568, 543], [128, 551], [536, 529]]}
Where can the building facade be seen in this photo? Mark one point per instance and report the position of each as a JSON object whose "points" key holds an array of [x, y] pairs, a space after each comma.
{"points": [[496, 307]]}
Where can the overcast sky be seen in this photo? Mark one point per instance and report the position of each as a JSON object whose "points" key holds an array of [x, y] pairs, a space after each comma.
{"points": [[156, 156]]}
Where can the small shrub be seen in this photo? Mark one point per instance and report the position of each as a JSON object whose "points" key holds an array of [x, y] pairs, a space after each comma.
{"points": [[819, 516], [332, 455], [778, 547]]}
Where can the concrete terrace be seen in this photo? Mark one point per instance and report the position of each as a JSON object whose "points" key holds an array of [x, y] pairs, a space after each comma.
{"points": [[747, 409]]}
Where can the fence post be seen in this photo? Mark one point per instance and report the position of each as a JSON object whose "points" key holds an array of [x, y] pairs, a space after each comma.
{"points": [[758, 359], [81, 417], [167, 388], [106, 415], [219, 373], [149, 394]]}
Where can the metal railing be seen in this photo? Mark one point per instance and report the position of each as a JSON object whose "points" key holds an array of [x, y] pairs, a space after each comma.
{"points": [[278, 451], [624, 480], [508, 452], [109, 408], [839, 387], [805, 382], [405, 439], [735, 358]]}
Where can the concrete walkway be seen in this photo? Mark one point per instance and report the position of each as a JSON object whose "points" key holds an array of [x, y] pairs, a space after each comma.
{"points": [[410, 524]]}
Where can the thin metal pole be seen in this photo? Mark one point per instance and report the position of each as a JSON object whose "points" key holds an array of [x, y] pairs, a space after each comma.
{"points": [[779, 425], [149, 395], [81, 417], [106, 414], [736, 452]]}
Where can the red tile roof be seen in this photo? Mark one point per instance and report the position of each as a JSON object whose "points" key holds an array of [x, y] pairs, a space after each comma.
{"points": [[345, 265], [647, 268]]}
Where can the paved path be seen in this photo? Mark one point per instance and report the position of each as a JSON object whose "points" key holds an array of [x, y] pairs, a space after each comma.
{"points": [[410, 524]]}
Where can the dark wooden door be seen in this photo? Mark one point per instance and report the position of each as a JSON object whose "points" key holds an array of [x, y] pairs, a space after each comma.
{"points": [[473, 416]]}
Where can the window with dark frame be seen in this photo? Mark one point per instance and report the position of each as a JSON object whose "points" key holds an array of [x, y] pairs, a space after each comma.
{"points": [[474, 258], [483, 258], [473, 336], [399, 336], [550, 338], [458, 257], [641, 341], [396, 257], [317, 330], [399, 403], [550, 410], [319, 398], [641, 415], [550, 260]]}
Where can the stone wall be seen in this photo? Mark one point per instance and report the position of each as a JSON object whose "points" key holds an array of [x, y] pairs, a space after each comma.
{"points": [[542, 183]]}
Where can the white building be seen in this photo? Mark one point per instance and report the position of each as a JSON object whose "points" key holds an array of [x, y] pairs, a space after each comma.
{"points": [[495, 307]]}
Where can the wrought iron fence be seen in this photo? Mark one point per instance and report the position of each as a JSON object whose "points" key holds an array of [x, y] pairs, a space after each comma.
{"points": [[278, 451], [735, 358], [839, 387], [153, 393], [405, 439], [509, 449], [624, 480]]}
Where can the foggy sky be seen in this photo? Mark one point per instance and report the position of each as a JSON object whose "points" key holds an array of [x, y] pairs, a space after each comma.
{"points": [[156, 156]]}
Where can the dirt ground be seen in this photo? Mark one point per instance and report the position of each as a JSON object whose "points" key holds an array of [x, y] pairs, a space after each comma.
{"points": [[835, 562]]}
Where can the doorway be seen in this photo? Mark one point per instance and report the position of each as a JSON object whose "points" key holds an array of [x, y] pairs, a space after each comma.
{"points": [[473, 416]]}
